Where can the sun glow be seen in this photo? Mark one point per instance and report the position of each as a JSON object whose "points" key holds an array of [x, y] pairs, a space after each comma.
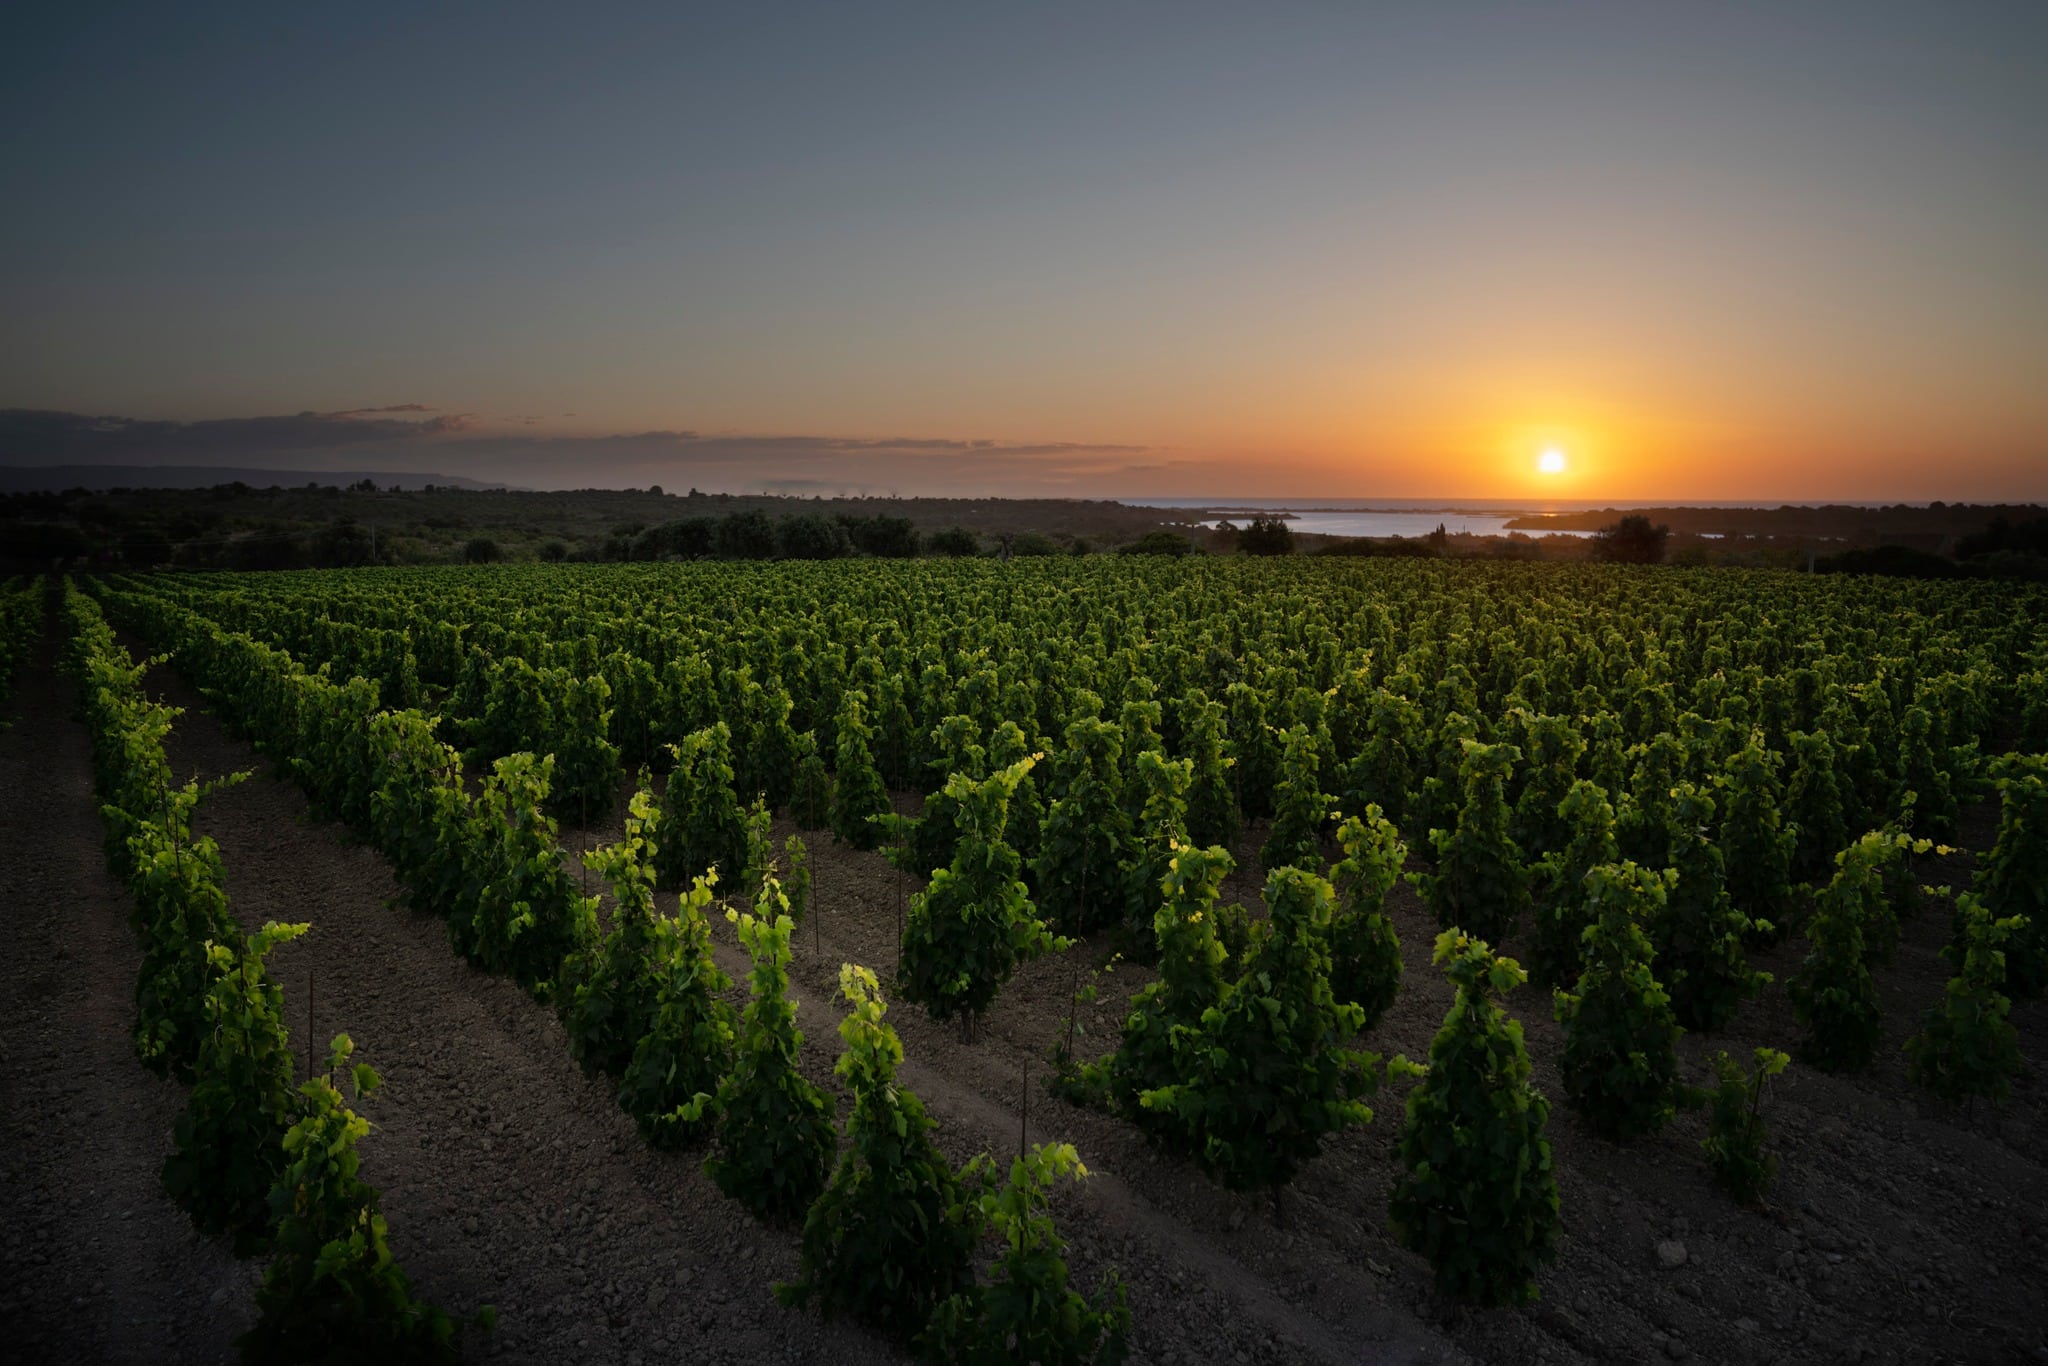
{"points": [[1551, 461]]}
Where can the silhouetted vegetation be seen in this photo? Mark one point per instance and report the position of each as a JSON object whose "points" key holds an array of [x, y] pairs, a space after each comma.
{"points": [[1371, 547], [1266, 536], [311, 526], [1032, 543], [953, 543], [1635, 539], [1159, 543], [1893, 561], [811, 536]]}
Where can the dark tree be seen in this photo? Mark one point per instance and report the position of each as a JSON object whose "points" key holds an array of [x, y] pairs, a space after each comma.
{"points": [[481, 550], [956, 543], [885, 538], [1632, 540], [744, 536], [811, 536], [1893, 561], [145, 548], [341, 545], [688, 538], [1266, 536]]}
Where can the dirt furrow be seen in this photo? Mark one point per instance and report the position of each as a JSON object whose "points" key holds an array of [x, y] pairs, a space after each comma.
{"points": [[96, 1263], [508, 1177]]}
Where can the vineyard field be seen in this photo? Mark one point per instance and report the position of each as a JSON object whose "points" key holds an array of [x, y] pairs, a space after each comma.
{"points": [[1900, 1226]]}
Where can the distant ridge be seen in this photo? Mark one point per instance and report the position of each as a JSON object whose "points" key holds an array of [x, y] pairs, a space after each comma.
{"points": [[52, 478]]}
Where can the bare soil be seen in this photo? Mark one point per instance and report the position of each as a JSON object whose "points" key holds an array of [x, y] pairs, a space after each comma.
{"points": [[96, 1263], [1899, 1230]]}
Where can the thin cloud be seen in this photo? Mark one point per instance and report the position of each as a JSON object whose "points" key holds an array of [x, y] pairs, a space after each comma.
{"points": [[398, 436], [388, 408]]}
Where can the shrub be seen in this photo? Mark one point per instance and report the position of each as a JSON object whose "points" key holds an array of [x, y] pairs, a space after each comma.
{"points": [[969, 930], [229, 1141], [744, 536], [1211, 805], [1479, 1196], [1028, 1313], [1832, 994], [1967, 1047], [883, 1242], [1756, 846], [1557, 940], [2012, 880], [1085, 846], [1265, 1074], [810, 797], [775, 1135], [1299, 806], [1365, 953], [688, 1047], [1698, 937], [1620, 1060], [893, 538], [180, 908], [529, 922], [1813, 807], [700, 825], [1030, 544], [612, 1003], [810, 536], [333, 1291], [925, 843], [1643, 823], [1025, 829], [1479, 885], [1161, 786], [858, 796], [586, 775], [1735, 1125], [1190, 982], [796, 887], [1553, 746]]}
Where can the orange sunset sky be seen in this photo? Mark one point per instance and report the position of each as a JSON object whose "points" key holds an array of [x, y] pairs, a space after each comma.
{"points": [[1705, 252]]}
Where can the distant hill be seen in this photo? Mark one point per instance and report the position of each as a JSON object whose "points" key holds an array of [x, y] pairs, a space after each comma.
{"points": [[98, 478], [1933, 526]]}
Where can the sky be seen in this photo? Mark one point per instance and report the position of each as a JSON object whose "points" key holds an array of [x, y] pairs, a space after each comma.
{"points": [[1703, 252]]}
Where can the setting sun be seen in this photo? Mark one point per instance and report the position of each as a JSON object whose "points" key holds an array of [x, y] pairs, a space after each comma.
{"points": [[1551, 462]]}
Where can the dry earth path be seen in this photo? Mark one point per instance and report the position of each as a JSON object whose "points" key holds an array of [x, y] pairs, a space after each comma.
{"points": [[96, 1263]]}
